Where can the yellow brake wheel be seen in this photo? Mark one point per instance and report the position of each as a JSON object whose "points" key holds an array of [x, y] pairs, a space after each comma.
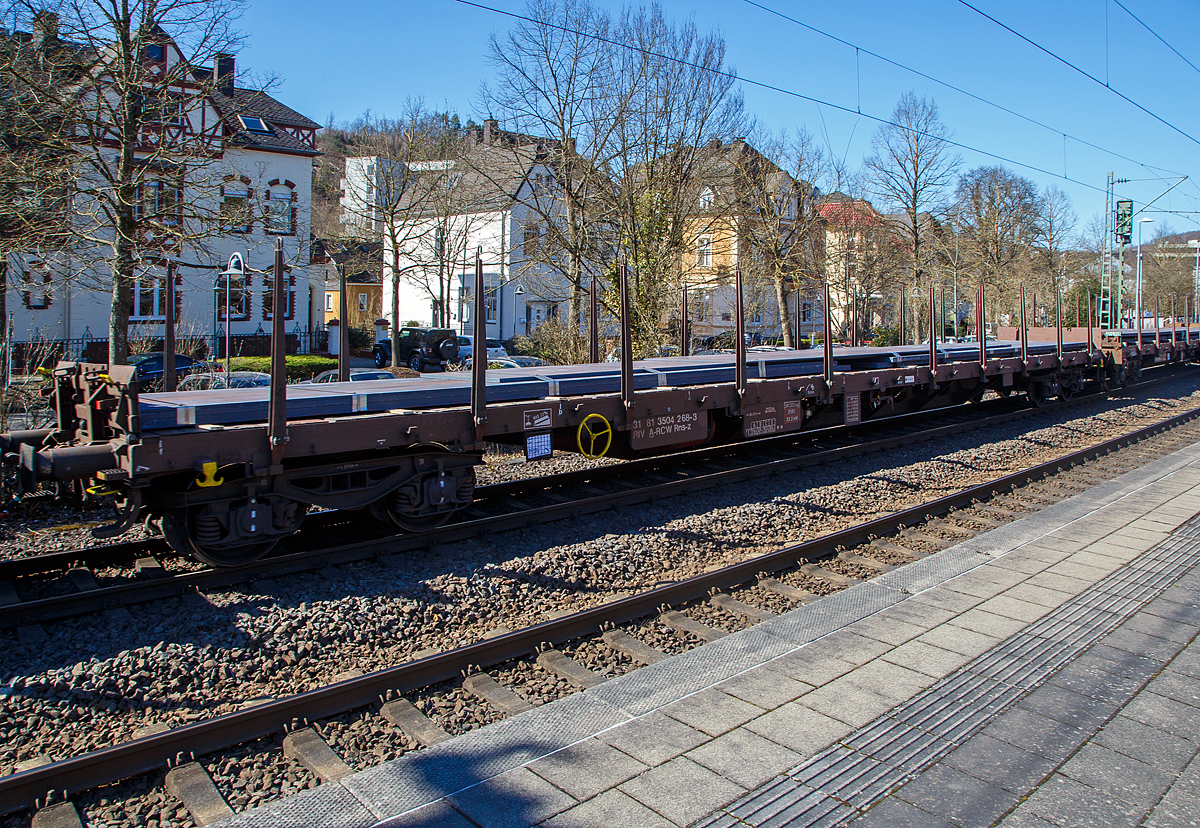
{"points": [[594, 437]]}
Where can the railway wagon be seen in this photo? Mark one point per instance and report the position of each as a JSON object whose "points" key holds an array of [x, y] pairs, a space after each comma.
{"points": [[226, 474]]}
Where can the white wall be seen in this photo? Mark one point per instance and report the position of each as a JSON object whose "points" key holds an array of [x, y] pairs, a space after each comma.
{"points": [[80, 292]]}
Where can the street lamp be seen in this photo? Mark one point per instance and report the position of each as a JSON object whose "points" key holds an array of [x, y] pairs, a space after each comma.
{"points": [[236, 267], [1139, 274], [1196, 273]]}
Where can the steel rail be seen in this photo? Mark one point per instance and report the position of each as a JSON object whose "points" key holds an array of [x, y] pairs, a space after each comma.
{"points": [[150, 753], [133, 592], [53, 562]]}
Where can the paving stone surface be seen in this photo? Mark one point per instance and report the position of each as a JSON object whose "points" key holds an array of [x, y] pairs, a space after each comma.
{"points": [[1043, 674], [682, 790]]}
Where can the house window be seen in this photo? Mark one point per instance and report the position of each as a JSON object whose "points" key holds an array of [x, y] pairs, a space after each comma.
{"points": [[439, 243], [701, 309], [281, 210], [161, 202], [806, 312], [704, 251], [35, 289], [149, 297], [154, 52], [289, 297], [706, 198], [362, 303], [532, 240], [490, 301], [239, 298], [329, 302], [235, 207], [756, 316]]}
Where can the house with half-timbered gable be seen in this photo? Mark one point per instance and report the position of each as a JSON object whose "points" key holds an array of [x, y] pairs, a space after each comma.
{"points": [[221, 169]]}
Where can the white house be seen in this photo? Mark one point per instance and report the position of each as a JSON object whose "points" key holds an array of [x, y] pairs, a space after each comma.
{"points": [[255, 188], [486, 207], [365, 187]]}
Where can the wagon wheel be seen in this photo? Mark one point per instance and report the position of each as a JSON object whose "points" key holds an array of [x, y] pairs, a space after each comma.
{"points": [[179, 528], [397, 509], [416, 522], [1036, 394]]}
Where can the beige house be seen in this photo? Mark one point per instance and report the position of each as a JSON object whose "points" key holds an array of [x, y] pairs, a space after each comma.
{"points": [[856, 249], [360, 262], [753, 215]]}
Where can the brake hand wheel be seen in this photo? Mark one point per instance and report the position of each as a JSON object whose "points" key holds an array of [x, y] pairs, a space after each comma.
{"points": [[594, 437]]}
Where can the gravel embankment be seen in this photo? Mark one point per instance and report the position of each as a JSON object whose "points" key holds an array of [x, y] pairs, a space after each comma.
{"points": [[94, 683]]}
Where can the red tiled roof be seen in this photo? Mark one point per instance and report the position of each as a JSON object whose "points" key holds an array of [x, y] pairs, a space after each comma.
{"points": [[846, 212]]}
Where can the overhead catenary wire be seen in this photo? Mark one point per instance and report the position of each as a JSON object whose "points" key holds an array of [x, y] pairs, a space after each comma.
{"points": [[1083, 72], [781, 90], [955, 88], [1156, 35]]}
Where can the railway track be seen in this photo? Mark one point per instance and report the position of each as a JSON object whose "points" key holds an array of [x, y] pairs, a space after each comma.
{"points": [[26, 599], [905, 534]]}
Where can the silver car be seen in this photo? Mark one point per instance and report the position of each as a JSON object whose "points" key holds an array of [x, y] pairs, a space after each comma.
{"points": [[214, 381]]}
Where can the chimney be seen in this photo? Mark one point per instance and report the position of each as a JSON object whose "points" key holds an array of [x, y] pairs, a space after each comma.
{"points": [[46, 22], [491, 130], [224, 70]]}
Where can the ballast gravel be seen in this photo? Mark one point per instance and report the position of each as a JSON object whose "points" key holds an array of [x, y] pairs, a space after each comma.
{"points": [[93, 683]]}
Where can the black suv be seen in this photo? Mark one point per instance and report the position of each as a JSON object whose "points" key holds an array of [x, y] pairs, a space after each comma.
{"points": [[419, 348]]}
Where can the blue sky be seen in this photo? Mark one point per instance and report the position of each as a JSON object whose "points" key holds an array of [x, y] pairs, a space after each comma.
{"points": [[343, 59]]}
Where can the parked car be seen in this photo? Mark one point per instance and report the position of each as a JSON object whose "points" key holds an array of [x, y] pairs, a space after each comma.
{"points": [[495, 348], [214, 381], [356, 375], [419, 348], [150, 366], [663, 351], [492, 364], [527, 361]]}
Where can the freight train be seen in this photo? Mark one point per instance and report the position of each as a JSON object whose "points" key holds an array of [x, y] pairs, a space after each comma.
{"points": [[224, 479]]}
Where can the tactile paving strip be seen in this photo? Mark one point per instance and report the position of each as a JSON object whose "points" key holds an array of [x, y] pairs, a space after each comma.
{"points": [[835, 787]]}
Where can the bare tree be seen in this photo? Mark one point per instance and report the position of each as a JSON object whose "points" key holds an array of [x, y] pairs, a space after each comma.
{"points": [[1053, 239], [402, 192], [555, 86], [997, 213], [912, 168], [143, 130], [626, 111], [676, 164], [36, 173], [781, 221]]}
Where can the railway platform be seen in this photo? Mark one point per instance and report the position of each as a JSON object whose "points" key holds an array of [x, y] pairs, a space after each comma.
{"points": [[1042, 674]]}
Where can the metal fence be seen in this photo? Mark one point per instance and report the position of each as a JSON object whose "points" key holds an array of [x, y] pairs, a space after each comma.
{"points": [[296, 341], [26, 357]]}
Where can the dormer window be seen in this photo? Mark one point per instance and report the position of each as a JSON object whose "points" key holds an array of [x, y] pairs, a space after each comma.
{"points": [[250, 123], [706, 198]]}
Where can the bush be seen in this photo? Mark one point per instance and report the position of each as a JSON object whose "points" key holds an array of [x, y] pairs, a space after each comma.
{"points": [[885, 335], [299, 366], [361, 338], [521, 345]]}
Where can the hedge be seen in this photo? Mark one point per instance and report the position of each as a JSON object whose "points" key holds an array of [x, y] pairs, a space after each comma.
{"points": [[299, 366]]}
